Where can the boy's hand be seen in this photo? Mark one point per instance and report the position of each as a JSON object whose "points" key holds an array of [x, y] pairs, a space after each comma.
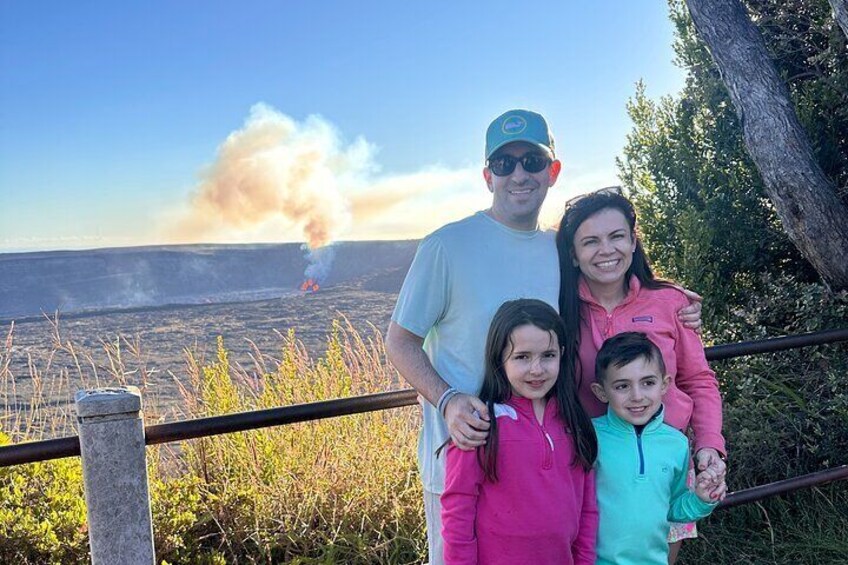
{"points": [[467, 418], [709, 488], [709, 463]]}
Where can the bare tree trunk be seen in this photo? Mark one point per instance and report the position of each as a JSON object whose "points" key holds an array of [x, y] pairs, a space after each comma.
{"points": [[840, 14], [814, 217]]}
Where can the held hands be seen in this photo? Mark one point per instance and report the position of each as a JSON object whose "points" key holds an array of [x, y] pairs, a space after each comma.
{"points": [[467, 418], [710, 485], [708, 489], [690, 316]]}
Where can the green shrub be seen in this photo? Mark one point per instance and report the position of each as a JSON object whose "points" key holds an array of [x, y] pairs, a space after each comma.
{"points": [[42, 513], [785, 415], [335, 490]]}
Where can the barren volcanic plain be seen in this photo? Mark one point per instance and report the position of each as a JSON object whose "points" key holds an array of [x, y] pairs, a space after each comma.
{"points": [[361, 285]]}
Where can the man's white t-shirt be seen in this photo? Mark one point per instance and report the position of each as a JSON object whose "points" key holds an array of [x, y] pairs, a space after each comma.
{"points": [[460, 276]]}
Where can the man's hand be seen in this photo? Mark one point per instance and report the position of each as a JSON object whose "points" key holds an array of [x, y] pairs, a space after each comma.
{"points": [[467, 429], [711, 469], [690, 316]]}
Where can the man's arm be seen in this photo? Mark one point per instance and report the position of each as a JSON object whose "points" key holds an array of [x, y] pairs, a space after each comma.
{"points": [[467, 430]]}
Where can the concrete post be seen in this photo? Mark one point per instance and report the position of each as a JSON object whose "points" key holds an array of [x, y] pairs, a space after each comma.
{"points": [[111, 432]]}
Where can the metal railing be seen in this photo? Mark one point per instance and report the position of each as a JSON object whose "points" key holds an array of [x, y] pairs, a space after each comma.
{"points": [[202, 427]]}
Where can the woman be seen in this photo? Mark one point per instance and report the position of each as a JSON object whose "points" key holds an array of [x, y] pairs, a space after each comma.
{"points": [[607, 287]]}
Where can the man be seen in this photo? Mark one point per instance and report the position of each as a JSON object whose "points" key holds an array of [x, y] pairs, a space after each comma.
{"points": [[461, 274]]}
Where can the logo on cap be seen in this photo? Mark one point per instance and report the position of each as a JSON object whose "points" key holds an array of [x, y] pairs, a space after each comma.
{"points": [[514, 125]]}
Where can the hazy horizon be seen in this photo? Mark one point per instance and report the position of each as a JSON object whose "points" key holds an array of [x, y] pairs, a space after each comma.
{"points": [[130, 125]]}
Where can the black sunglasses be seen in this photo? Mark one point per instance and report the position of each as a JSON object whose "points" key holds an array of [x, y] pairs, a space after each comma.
{"points": [[608, 191], [503, 165]]}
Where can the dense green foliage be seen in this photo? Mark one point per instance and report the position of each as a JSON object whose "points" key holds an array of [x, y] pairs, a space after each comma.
{"points": [[785, 415], [42, 513], [704, 214], [706, 222]]}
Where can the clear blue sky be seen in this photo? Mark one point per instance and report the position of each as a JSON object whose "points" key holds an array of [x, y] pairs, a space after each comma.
{"points": [[110, 112]]}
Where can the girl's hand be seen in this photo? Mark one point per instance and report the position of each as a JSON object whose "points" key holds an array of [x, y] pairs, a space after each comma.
{"points": [[690, 316], [467, 418]]}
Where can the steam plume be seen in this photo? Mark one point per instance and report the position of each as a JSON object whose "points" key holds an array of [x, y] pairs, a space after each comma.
{"points": [[277, 179], [274, 168]]}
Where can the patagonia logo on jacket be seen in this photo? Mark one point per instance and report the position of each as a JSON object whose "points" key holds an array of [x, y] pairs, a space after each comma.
{"points": [[643, 319]]}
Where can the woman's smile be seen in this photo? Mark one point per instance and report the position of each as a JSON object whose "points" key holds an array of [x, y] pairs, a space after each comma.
{"points": [[608, 265], [603, 248]]}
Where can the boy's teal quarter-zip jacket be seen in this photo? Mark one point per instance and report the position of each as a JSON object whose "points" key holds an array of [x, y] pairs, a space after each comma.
{"points": [[641, 486]]}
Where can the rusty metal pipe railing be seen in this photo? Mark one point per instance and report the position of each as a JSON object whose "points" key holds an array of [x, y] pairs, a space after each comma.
{"points": [[730, 350], [216, 425], [783, 487], [29, 452], [33, 451]]}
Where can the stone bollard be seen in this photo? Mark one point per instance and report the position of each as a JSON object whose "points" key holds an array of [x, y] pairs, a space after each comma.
{"points": [[111, 433]]}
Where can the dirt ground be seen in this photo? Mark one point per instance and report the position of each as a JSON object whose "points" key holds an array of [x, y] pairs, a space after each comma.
{"points": [[161, 336]]}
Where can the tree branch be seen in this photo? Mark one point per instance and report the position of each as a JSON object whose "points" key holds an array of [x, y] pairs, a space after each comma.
{"points": [[840, 14], [807, 202]]}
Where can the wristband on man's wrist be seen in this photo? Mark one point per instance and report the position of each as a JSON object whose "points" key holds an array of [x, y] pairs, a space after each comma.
{"points": [[443, 400]]}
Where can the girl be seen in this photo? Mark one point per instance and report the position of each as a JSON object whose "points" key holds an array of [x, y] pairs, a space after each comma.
{"points": [[528, 495], [607, 287]]}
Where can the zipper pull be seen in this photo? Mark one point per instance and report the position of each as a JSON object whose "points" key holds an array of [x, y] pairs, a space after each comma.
{"points": [[550, 441]]}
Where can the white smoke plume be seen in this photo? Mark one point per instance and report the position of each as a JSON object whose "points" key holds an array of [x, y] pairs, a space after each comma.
{"points": [[276, 169], [278, 179], [320, 261]]}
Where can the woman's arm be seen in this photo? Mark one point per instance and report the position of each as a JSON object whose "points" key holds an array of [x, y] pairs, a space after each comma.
{"points": [[463, 477], [695, 379]]}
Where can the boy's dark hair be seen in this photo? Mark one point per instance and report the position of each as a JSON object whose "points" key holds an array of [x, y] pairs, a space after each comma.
{"points": [[496, 387], [623, 349]]}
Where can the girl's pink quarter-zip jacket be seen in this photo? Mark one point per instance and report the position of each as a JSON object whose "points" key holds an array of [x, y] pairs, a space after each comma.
{"points": [[542, 509]]}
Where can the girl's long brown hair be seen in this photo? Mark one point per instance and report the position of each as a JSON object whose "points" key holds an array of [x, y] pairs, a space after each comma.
{"points": [[496, 387]]}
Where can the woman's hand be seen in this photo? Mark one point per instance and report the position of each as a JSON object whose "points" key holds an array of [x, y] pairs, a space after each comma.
{"points": [[708, 462]]}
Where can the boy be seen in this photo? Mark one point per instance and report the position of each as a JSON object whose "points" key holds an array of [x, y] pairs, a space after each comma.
{"points": [[642, 462]]}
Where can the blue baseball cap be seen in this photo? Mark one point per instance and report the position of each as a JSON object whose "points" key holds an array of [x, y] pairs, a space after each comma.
{"points": [[519, 125]]}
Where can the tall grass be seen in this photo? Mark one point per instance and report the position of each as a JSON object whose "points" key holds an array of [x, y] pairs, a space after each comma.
{"points": [[346, 490], [343, 489], [331, 491]]}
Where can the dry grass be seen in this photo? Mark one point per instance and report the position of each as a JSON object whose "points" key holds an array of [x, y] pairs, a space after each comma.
{"points": [[341, 489], [38, 404]]}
